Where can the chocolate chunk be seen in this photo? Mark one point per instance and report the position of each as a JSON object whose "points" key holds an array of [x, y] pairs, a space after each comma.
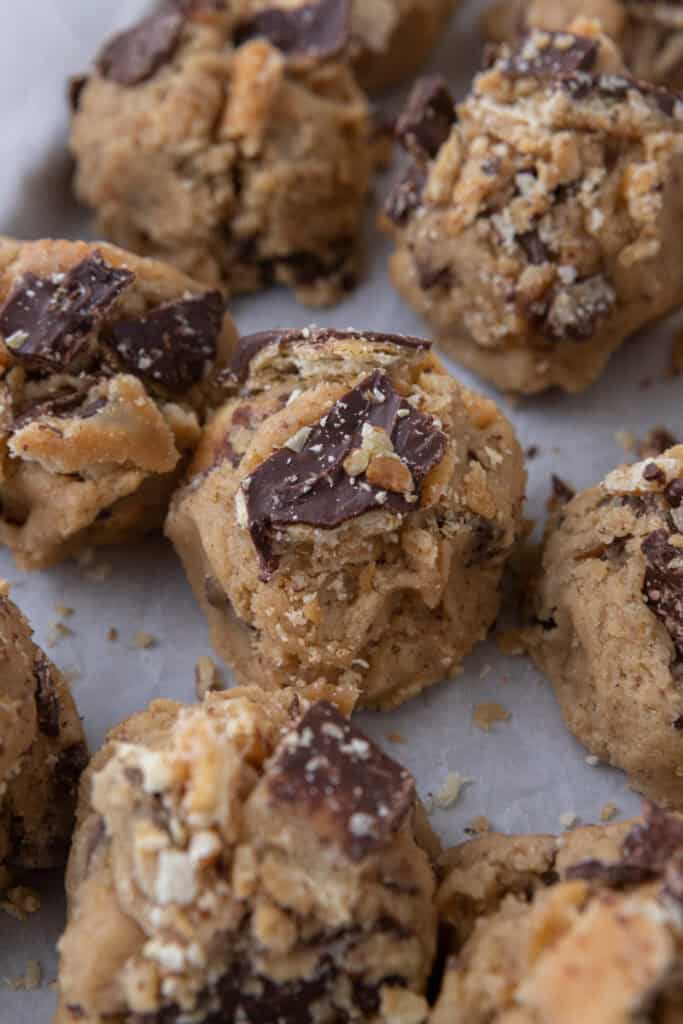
{"points": [[47, 704], [561, 492], [485, 542], [173, 344], [615, 876], [434, 277], [354, 795], [663, 584], [654, 473], [310, 486], [253, 344], [406, 195], [651, 845], [551, 55], [319, 30], [674, 493], [135, 55], [426, 122], [534, 247], [71, 763], [48, 323]]}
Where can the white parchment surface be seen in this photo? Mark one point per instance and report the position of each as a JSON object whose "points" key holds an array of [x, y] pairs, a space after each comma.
{"points": [[527, 772]]}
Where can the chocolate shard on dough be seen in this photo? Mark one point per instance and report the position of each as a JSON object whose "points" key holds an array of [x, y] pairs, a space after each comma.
{"points": [[353, 794], [663, 584], [426, 122], [311, 486], [320, 29], [48, 322], [563, 55], [173, 344], [133, 56]]}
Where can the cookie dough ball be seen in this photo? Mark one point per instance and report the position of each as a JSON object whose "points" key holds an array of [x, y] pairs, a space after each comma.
{"points": [[42, 752], [348, 515], [541, 228], [650, 34], [107, 365], [391, 39], [609, 621], [230, 140], [253, 858], [582, 928]]}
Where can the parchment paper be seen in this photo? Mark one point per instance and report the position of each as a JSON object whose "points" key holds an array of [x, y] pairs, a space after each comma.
{"points": [[525, 773]]}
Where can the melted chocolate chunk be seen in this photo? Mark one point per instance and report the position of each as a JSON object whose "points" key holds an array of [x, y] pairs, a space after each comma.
{"points": [[562, 55], [654, 473], [354, 795], [651, 845], [406, 195], [47, 704], [535, 249], [173, 344], [674, 493], [319, 30], [615, 876], [311, 487], [426, 122], [48, 323], [253, 344], [663, 584], [137, 54]]}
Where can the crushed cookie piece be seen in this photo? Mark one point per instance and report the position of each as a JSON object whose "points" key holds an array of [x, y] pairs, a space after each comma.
{"points": [[489, 713]]}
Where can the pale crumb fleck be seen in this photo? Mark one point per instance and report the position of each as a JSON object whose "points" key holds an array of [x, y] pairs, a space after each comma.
{"points": [[396, 737], [144, 640], [112, 635], [450, 791], [609, 811], [63, 611], [592, 760], [29, 981], [568, 819], [626, 440], [511, 642], [488, 714], [206, 676], [20, 902], [479, 825]]}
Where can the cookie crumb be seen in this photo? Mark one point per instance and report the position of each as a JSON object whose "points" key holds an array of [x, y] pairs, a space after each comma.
{"points": [[450, 791], [112, 635], [396, 737], [609, 811], [479, 826], [206, 677], [511, 642], [29, 981], [63, 611], [488, 714], [20, 902], [592, 760], [568, 819], [144, 640]]}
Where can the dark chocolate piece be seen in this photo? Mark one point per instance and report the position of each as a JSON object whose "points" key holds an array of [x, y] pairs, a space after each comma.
{"points": [[250, 346], [535, 249], [48, 323], [426, 122], [663, 584], [354, 795], [561, 492], [654, 473], [310, 486], [406, 195], [551, 55], [615, 876], [674, 493], [65, 404], [47, 705], [135, 55], [652, 845], [319, 30], [173, 344]]}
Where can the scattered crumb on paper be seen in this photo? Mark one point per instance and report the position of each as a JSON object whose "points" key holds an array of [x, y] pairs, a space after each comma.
{"points": [[449, 793], [608, 811], [144, 640], [488, 714]]}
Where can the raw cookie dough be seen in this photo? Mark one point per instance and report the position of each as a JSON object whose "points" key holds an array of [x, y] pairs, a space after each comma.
{"points": [[107, 365], [42, 752], [254, 858], [584, 929], [391, 39], [609, 621], [348, 515], [542, 228], [232, 140], [649, 33]]}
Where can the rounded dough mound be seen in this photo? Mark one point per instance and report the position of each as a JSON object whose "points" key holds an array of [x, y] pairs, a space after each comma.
{"points": [[608, 608], [538, 225], [251, 858], [348, 515], [240, 149], [42, 752], [585, 927], [108, 364]]}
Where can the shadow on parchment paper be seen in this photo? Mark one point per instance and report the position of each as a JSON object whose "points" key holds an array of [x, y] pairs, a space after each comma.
{"points": [[46, 206]]}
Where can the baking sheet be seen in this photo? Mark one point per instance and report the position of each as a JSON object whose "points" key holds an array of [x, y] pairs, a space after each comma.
{"points": [[525, 773]]}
